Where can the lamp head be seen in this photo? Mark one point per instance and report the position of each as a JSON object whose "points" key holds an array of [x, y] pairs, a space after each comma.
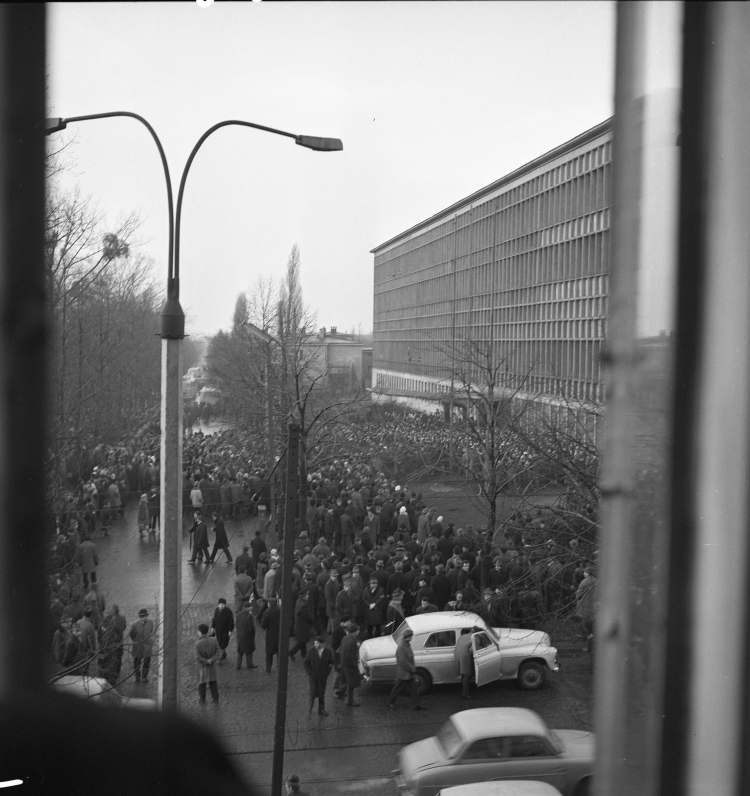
{"points": [[54, 125], [319, 144]]}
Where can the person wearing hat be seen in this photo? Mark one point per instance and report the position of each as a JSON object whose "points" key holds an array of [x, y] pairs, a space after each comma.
{"points": [[271, 623], [292, 786], [350, 666], [223, 625], [206, 653], [245, 635], [375, 604], [199, 539], [142, 636], [318, 664], [244, 560], [221, 543], [405, 672], [272, 581], [394, 613]]}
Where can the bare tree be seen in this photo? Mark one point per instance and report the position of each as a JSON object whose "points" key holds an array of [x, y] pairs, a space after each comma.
{"points": [[104, 310]]}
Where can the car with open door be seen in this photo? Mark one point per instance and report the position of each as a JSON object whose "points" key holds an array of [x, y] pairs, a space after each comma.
{"points": [[526, 656]]}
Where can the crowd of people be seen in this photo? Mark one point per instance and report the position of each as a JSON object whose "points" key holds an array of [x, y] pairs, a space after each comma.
{"points": [[369, 551]]}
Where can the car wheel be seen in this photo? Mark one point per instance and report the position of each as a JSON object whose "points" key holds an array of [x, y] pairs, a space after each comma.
{"points": [[424, 681], [531, 675], [583, 788]]}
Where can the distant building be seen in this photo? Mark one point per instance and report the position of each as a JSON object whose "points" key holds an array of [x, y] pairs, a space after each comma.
{"points": [[342, 355], [193, 382], [520, 268]]}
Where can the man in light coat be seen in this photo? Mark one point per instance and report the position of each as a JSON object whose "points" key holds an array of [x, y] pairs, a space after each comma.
{"points": [[207, 654], [405, 672]]}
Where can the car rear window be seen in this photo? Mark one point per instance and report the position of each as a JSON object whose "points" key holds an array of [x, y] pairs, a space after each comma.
{"points": [[528, 746], [449, 739]]}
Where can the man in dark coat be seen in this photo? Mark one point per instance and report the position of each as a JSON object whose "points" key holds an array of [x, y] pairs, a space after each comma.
{"points": [[318, 664], [221, 543], [304, 625], [199, 538], [223, 625], [350, 665], [271, 623], [244, 560], [258, 546], [375, 607], [245, 625]]}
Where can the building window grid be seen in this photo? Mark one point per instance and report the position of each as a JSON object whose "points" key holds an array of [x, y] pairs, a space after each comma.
{"points": [[583, 249]]}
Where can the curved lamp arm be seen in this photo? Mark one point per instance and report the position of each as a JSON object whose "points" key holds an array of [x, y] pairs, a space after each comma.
{"points": [[55, 125], [310, 142]]}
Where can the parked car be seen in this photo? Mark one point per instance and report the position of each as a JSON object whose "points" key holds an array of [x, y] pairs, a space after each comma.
{"points": [[500, 653], [511, 787], [100, 692], [497, 744]]}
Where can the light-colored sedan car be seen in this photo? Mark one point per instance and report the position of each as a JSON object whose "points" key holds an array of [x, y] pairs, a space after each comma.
{"points": [[500, 653], [100, 692], [511, 787], [497, 744]]}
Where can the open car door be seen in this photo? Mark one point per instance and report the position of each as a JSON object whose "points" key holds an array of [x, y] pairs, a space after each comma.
{"points": [[487, 658]]}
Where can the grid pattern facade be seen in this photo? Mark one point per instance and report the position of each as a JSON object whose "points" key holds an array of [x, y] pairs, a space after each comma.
{"points": [[521, 268]]}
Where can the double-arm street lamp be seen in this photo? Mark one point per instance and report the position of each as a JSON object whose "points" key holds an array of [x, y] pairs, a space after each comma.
{"points": [[172, 333]]}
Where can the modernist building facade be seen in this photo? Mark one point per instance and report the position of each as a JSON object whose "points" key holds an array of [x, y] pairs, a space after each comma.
{"points": [[517, 273]]}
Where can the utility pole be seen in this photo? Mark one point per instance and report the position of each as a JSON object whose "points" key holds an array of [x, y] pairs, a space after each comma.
{"points": [[287, 609]]}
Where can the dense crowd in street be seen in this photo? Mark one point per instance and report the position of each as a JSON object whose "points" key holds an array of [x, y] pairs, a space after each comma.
{"points": [[369, 552]]}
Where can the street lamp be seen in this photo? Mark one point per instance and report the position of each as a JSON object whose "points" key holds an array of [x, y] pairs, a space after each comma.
{"points": [[172, 333]]}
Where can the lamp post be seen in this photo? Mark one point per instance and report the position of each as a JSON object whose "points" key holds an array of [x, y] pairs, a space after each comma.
{"points": [[268, 339], [170, 465]]}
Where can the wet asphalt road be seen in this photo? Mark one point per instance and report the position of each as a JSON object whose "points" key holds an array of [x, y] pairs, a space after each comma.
{"points": [[352, 751]]}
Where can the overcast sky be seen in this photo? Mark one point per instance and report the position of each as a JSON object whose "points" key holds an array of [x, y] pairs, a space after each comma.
{"points": [[432, 101]]}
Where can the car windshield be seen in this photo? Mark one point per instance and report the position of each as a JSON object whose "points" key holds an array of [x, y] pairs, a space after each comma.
{"points": [[449, 739], [491, 633], [555, 742], [400, 631]]}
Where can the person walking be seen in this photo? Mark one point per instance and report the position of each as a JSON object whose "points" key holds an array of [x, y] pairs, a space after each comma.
{"points": [[465, 657], [221, 542], [318, 665], [88, 639], [87, 559], [222, 626], [350, 666], [143, 514], [271, 623], [199, 539], [142, 636], [206, 653], [405, 671], [245, 625], [304, 625]]}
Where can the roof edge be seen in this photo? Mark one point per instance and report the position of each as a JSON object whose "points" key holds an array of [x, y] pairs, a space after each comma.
{"points": [[582, 138]]}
